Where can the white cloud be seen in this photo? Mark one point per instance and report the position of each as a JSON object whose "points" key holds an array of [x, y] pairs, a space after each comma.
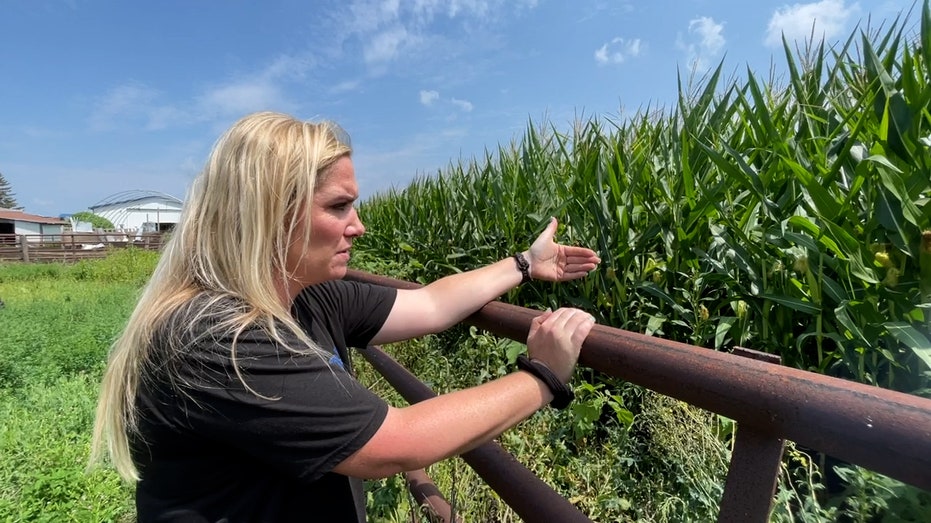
{"points": [[134, 105], [242, 97], [390, 30], [799, 22], [428, 97], [263, 90], [345, 86], [709, 31], [704, 42], [465, 105], [386, 45], [618, 50]]}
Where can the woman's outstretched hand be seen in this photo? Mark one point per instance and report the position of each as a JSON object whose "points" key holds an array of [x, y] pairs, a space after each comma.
{"points": [[551, 261]]}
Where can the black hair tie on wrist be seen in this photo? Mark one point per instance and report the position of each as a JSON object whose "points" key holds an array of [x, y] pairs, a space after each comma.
{"points": [[523, 266], [562, 392]]}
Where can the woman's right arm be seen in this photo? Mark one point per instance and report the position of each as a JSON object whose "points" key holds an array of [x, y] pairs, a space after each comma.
{"points": [[430, 431]]}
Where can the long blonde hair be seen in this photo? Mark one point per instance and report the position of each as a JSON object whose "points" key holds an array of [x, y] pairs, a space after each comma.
{"points": [[238, 220]]}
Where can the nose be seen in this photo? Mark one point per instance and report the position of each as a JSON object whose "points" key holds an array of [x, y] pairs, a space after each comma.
{"points": [[355, 228]]}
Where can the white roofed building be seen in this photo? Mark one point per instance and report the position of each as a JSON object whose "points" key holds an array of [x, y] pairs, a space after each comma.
{"points": [[140, 211]]}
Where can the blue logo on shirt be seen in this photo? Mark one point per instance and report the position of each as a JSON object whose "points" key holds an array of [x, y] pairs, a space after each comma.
{"points": [[336, 360]]}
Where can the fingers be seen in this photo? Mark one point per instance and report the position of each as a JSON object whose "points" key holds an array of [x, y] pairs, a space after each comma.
{"points": [[567, 320], [582, 326], [578, 267], [574, 319], [576, 254], [536, 322], [546, 237]]}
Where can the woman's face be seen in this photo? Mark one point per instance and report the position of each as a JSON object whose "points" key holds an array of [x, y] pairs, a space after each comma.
{"points": [[334, 224]]}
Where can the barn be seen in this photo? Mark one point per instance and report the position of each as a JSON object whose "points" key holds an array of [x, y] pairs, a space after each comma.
{"points": [[29, 225], [140, 211]]}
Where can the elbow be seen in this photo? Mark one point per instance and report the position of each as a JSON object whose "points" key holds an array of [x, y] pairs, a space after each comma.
{"points": [[391, 450], [390, 468]]}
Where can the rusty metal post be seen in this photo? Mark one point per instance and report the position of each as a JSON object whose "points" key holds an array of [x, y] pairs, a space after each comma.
{"points": [[751, 477], [754, 469], [429, 497]]}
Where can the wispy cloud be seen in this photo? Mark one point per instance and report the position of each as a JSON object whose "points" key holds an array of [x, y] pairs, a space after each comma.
{"points": [[800, 22], [345, 86], [139, 106], [241, 97], [265, 89], [704, 41], [428, 97], [131, 104], [618, 50], [386, 31], [464, 105], [386, 45], [431, 98]]}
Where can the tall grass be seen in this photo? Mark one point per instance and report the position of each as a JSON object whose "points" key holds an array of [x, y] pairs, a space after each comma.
{"points": [[56, 325]]}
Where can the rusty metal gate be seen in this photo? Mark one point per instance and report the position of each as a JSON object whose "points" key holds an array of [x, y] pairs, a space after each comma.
{"points": [[878, 429]]}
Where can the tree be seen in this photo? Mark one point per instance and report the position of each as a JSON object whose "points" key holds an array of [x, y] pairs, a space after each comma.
{"points": [[98, 221], [7, 200]]}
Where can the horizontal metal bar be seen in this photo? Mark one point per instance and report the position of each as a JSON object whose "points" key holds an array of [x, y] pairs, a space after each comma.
{"points": [[532, 499], [883, 430]]}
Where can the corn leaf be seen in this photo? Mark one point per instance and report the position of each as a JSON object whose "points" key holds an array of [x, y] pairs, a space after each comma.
{"points": [[911, 338], [794, 303]]}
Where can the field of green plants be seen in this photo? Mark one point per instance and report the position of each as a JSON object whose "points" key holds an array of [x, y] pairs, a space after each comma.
{"points": [[56, 325], [786, 214], [789, 215]]}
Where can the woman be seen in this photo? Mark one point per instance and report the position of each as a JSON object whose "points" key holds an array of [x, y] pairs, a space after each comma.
{"points": [[228, 397]]}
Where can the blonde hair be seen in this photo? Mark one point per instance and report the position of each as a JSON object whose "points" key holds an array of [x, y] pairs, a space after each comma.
{"points": [[239, 218]]}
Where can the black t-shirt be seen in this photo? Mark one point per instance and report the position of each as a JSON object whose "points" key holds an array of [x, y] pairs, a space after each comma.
{"points": [[211, 449]]}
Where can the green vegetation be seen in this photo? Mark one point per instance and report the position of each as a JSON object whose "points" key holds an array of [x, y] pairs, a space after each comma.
{"points": [[7, 198], [56, 325], [99, 222]]}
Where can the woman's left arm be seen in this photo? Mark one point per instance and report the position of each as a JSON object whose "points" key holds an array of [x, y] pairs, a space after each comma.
{"points": [[449, 300]]}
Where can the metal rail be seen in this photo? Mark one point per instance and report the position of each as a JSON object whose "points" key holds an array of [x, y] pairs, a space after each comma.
{"points": [[882, 430], [532, 499]]}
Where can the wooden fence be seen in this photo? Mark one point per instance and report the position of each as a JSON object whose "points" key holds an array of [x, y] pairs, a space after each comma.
{"points": [[71, 246]]}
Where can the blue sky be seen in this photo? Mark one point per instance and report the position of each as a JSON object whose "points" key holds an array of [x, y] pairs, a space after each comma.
{"points": [[103, 96]]}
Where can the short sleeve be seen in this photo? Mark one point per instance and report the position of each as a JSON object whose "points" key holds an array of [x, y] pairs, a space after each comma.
{"points": [[294, 412], [350, 312]]}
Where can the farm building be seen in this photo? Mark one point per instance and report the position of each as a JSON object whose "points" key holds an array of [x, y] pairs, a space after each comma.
{"points": [[140, 211], [21, 223]]}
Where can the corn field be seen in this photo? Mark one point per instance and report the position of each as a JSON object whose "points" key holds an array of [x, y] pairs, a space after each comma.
{"points": [[784, 213], [789, 215]]}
